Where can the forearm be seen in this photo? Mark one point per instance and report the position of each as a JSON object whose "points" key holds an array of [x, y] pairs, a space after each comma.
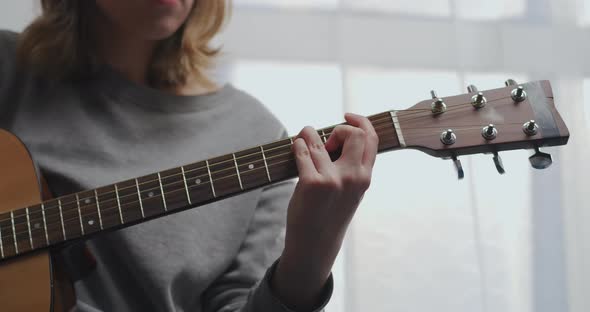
{"points": [[303, 271]]}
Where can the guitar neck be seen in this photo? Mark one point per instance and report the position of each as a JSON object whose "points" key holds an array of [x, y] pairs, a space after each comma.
{"points": [[130, 202]]}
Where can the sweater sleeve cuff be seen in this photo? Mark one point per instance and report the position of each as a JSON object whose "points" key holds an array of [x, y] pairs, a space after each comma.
{"points": [[265, 300]]}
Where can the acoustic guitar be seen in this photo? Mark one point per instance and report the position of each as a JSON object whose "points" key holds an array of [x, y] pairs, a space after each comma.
{"points": [[31, 229]]}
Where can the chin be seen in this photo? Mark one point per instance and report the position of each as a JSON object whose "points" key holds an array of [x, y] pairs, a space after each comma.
{"points": [[161, 30]]}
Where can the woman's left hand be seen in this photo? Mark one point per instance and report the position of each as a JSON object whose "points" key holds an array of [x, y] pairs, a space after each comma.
{"points": [[323, 204]]}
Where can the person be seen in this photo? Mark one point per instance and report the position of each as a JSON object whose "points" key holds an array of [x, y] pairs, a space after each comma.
{"points": [[105, 90]]}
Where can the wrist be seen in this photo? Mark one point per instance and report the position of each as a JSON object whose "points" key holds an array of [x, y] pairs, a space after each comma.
{"points": [[299, 288]]}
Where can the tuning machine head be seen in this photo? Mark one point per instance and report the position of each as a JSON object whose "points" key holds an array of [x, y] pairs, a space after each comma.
{"points": [[540, 160], [519, 94], [478, 100], [510, 82], [438, 106]]}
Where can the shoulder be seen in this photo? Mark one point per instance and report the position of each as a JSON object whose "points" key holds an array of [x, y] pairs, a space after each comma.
{"points": [[8, 37], [8, 41], [253, 113]]}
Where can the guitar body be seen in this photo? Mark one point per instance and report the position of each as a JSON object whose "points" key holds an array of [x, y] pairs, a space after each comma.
{"points": [[26, 283]]}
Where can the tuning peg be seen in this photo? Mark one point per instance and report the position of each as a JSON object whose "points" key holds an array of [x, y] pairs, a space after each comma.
{"points": [[478, 100], [518, 94], [471, 89], [498, 163], [530, 128], [448, 137], [459, 167], [540, 160], [438, 106], [510, 82], [489, 132]]}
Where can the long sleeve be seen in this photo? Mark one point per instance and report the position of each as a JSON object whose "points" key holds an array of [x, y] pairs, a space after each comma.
{"points": [[245, 286]]}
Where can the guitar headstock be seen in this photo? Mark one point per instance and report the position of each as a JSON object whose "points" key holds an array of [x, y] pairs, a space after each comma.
{"points": [[518, 116]]}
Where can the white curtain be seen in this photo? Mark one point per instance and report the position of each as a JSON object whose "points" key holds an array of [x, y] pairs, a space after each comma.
{"points": [[423, 241]]}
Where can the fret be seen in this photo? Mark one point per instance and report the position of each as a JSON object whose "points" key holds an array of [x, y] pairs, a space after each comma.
{"points": [[110, 214], [119, 204], [199, 187], [6, 236], [150, 192], [139, 197], [128, 201], [61, 217], [174, 186], [210, 178], [14, 232], [188, 196], [98, 209], [238, 171], [223, 175], [37, 235], [80, 213], [281, 161], [45, 223], [291, 139], [53, 221], [265, 163], [162, 192], [29, 228], [324, 136], [70, 216], [1, 244], [253, 170], [89, 212], [20, 231]]}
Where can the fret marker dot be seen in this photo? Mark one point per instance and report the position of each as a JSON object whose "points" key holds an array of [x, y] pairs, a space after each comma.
{"points": [[91, 222], [37, 225], [87, 201], [251, 166], [198, 181], [151, 194]]}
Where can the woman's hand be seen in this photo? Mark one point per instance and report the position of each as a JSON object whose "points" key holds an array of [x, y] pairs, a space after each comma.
{"points": [[322, 206]]}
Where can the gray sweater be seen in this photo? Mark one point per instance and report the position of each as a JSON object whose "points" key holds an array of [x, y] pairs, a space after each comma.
{"points": [[106, 129]]}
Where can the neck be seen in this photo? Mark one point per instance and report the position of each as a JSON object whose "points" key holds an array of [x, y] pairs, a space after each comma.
{"points": [[125, 203], [124, 52]]}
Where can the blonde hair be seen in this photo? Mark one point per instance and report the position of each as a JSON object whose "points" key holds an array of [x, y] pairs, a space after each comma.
{"points": [[58, 43]]}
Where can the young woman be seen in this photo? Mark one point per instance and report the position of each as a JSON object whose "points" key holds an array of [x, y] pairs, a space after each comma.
{"points": [[106, 90]]}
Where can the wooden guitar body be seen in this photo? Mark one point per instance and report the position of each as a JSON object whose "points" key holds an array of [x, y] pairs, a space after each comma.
{"points": [[26, 283]]}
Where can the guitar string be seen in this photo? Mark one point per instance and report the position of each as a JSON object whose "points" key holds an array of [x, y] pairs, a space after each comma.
{"points": [[375, 122], [224, 169], [387, 118], [49, 209], [229, 161], [192, 187], [64, 203]]}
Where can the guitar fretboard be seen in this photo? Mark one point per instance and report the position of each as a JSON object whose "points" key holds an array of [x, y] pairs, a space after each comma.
{"points": [[129, 202]]}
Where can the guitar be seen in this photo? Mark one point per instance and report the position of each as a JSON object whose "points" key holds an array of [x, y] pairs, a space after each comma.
{"points": [[513, 117]]}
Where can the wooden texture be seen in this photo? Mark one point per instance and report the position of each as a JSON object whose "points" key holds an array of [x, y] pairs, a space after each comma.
{"points": [[25, 283], [422, 130], [70, 217]]}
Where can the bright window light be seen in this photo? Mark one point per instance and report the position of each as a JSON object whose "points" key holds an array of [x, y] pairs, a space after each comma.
{"points": [[490, 9], [299, 94], [319, 4], [410, 7]]}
